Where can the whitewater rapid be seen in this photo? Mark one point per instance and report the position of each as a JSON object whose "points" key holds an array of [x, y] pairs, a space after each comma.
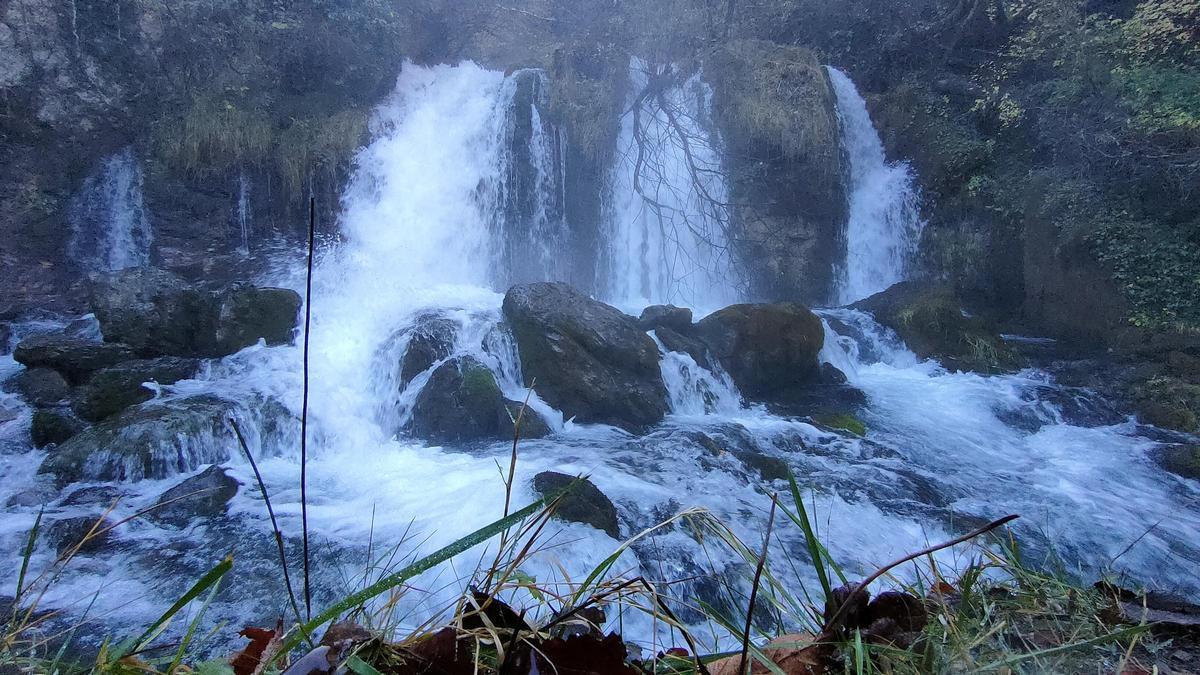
{"points": [[421, 233]]}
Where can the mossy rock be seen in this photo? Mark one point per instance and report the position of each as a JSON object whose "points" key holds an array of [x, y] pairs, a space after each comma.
{"points": [[770, 350], [460, 402], [118, 387], [842, 422], [1182, 460], [932, 321], [52, 426], [1169, 403]]}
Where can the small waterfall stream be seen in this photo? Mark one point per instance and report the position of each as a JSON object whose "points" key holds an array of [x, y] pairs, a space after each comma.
{"points": [[885, 225], [427, 220], [110, 227]]}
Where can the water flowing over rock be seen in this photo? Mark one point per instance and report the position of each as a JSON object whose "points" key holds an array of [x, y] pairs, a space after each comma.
{"points": [[110, 227], [159, 314], [75, 358], [770, 350], [588, 359]]}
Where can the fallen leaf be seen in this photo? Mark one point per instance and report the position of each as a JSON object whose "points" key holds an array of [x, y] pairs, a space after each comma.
{"points": [[583, 655], [795, 654], [441, 654], [247, 661]]}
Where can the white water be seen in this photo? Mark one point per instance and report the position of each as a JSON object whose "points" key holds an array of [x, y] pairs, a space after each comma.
{"points": [[242, 214], [884, 225], [667, 217], [422, 235], [110, 227]]}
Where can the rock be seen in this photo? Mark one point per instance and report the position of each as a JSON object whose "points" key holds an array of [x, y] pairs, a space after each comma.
{"points": [[678, 319], [75, 358], [768, 467], [842, 422], [158, 440], [429, 341], [68, 533], [532, 424], [204, 495], [769, 350], [585, 503], [460, 402], [247, 314], [1182, 460], [588, 359], [42, 386], [932, 322], [9, 411], [686, 344], [39, 495], [831, 374], [158, 314], [52, 426], [115, 388], [104, 495], [1169, 403]]}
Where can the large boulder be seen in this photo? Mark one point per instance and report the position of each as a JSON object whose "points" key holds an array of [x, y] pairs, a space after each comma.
{"points": [[75, 358], [584, 503], [932, 321], [204, 495], [678, 319], [587, 359], [115, 388], [82, 534], [164, 438], [159, 314], [460, 402], [52, 426], [770, 351], [430, 340], [42, 386]]}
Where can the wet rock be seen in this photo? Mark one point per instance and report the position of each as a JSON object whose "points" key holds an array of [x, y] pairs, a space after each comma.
{"points": [[585, 503], [74, 358], [532, 424], [91, 534], [768, 350], [204, 495], [104, 495], [1169, 403], [460, 402], [768, 467], [429, 341], [933, 323], [39, 495], [588, 359], [9, 411], [831, 374], [41, 386], [842, 422], [155, 440], [686, 344], [118, 387], [678, 319], [52, 426], [1182, 460], [159, 314]]}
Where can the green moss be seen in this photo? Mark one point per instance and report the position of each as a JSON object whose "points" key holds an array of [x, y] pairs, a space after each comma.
{"points": [[842, 422], [1169, 402], [479, 384], [1183, 460]]}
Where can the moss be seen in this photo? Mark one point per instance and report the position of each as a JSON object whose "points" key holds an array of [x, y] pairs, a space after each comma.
{"points": [[478, 383], [1169, 403], [842, 422], [1182, 460]]}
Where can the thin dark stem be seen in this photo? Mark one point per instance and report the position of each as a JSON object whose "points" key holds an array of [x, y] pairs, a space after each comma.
{"points": [[762, 562], [312, 230], [262, 486]]}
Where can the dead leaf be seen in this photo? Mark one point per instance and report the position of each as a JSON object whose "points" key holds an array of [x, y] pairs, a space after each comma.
{"points": [[583, 655], [441, 654], [795, 654], [250, 659]]}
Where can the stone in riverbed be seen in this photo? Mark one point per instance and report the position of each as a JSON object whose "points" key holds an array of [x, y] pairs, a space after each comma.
{"points": [[74, 358], [1181, 460], [118, 387], [52, 426], [585, 503], [90, 534], [588, 359], [678, 319], [768, 350], [460, 402], [429, 341], [532, 424], [42, 386], [204, 495], [158, 314]]}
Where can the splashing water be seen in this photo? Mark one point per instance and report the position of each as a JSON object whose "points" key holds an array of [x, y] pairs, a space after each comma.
{"points": [[110, 227], [668, 213], [884, 226]]}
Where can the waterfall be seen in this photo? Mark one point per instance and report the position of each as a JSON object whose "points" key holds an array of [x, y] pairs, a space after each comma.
{"points": [[241, 213], [694, 390], [667, 215], [110, 228], [884, 227]]}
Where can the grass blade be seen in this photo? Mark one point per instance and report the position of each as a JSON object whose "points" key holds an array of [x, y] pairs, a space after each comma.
{"points": [[207, 581], [33, 534], [815, 549]]}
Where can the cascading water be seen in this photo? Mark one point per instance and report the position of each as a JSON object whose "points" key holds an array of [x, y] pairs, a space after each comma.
{"points": [[668, 213], [110, 227], [422, 239], [241, 213], [884, 225]]}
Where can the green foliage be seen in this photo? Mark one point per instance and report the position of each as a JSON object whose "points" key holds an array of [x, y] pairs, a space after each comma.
{"points": [[1166, 30], [1157, 267], [1160, 99], [844, 422]]}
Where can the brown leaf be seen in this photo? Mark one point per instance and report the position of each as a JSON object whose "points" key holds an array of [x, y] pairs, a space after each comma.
{"points": [[441, 654], [583, 655], [247, 661], [905, 609], [853, 615], [795, 654], [498, 614]]}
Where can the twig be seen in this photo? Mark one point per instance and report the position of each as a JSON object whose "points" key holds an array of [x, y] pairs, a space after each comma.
{"points": [[262, 486], [831, 623], [762, 561], [312, 228]]}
